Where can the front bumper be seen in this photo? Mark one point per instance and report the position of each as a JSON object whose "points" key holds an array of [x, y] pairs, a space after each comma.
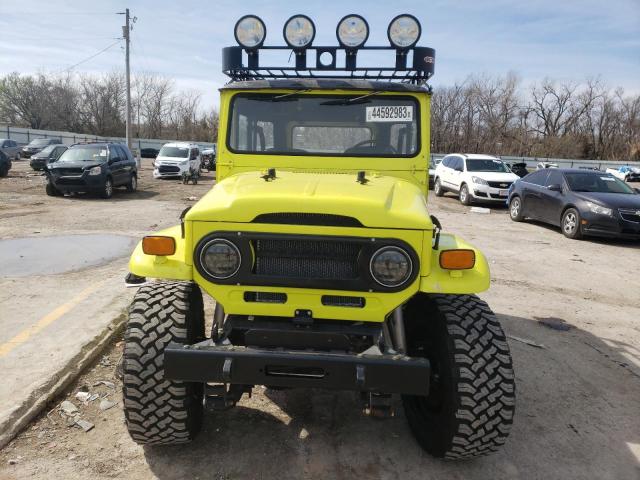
{"points": [[28, 153], [486, 193], [208, 362], [169, 170], [619, 225], [38, 163], [78, 183]]}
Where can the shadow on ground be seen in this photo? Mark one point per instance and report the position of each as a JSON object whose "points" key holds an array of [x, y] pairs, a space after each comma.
{"points": [[576, 417]]}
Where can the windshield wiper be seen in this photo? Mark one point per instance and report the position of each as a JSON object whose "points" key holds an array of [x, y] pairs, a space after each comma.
{"points": [[351, 101], [281, 98]]}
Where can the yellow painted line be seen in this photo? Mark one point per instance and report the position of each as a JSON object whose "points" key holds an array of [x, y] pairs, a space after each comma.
{"points": [[48, 319]]}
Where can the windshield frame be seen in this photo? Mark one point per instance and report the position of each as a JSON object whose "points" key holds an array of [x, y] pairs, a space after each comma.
{"points": [[103, 158], [370, 95]]}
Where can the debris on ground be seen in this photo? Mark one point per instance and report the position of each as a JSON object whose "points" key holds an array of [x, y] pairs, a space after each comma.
{"points": [[14, 461], [304, 433], [68, 408], [480, 210], [526, 341], [554, 323], [106, 404], [83, 396], [84, 425], [106, 383], [191, 199], [105, 362]]}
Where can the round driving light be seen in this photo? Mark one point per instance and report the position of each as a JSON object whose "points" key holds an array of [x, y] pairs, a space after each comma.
{"points": [[391, 266], [299, 31], [220, 258], [404, 31], [250, 32], [352, 31]]}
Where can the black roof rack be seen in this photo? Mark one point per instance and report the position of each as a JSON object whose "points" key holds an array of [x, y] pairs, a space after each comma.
{"points": [[417, 72]]}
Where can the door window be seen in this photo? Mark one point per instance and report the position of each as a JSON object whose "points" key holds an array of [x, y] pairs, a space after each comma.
{"points": [[554, 178], [114, 154], [537, 178]]}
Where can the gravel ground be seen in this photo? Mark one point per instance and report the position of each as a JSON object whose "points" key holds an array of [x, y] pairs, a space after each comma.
{"points": [[577, 407]]}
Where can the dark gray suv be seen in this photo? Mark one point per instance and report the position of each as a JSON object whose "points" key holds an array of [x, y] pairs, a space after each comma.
{"points": [[92, 167]]}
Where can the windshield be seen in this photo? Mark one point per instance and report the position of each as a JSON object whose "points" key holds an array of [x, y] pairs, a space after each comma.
{"points": [[85, 154], [47, 151], [40, 142], [486, 165], [176, 152], [597, 183], [296, 124]]}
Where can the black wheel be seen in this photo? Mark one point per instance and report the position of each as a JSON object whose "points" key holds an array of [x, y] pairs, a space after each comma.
{"points": [[571, 224], [51, 190], [465, 196], [4, 171], [471, 402], [515, 209], [107, 188], [437, 188], [132, 185], [160, 411]]}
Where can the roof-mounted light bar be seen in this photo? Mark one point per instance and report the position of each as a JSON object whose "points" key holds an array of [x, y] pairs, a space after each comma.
{"points": [[413, 64]]}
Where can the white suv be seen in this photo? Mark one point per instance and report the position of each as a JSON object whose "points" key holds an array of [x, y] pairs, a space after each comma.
{"points": [[481, 178], [177, 159]]}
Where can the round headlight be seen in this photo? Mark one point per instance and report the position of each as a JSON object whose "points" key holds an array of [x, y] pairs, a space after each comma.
{"points": [[220, 258], [299, 31], [352, 31], [250, 32], [404, 31], [391, 266]]}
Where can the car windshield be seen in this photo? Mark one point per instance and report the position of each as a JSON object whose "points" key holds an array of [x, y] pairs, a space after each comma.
{"points": [[47, 151], [176, 152], [40, 142], [97, 153], [364, 124], [486, 165], [597, 183]]}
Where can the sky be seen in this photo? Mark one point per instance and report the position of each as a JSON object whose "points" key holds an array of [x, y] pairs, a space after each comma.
{"points": [[182, 40]]}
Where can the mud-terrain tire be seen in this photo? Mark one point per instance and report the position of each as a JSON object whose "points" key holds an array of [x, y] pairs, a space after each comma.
{"points": [[437, 188], [160, 411], [471, 403]]}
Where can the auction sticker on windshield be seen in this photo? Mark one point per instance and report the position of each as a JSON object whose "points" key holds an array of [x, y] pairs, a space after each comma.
{"points": [[397, 113]]}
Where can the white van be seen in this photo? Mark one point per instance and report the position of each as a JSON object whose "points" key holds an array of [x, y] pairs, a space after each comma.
{"points": [[176, 159]]}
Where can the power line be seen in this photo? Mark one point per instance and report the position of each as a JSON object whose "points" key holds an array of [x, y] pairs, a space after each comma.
{"points": [[88, 58]]}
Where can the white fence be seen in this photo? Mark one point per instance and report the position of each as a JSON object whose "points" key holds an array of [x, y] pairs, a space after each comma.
{"points": [[561, 162], [25, 135]]}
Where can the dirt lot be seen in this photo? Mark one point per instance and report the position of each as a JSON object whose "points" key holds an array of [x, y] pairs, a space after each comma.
{"points": [[578, 390]]}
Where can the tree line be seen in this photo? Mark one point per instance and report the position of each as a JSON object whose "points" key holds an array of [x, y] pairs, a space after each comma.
{"points": [[97, 105], [482, 114]]}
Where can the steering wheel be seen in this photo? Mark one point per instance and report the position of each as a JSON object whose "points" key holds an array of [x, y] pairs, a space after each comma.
{"points": [[372, 143]]}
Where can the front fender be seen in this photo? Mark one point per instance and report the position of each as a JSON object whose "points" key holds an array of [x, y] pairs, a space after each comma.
{"points": [[439, 280], [171, 267]]}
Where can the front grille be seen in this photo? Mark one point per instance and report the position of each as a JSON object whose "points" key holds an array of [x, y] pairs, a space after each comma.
{"points": [[495, 195], [343, 301], [499, 184], [69, 171], [630, 215], [265, 297], [318, 219], [327, 260], [168, 169], [69, 181]]}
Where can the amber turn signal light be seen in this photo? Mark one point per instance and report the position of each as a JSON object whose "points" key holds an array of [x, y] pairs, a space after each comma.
{"points": [[156, 245], [457, 259]]}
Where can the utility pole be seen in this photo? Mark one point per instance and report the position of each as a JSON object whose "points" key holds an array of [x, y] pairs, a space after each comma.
{"points": [[126, 30]]}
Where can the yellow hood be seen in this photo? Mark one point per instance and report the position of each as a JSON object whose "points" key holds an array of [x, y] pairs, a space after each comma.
{"points": [[383, 202]]}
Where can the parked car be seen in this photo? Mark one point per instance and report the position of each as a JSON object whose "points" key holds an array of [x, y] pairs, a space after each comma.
{"points": [[543, 165], [149, 152], [5, 164], [38, 145], [92, 167], [10, 148], [432, 173], [46, 156], [177, 159], [580, 202], [626, 173], [519, 169], [474, 178], [209, 158]]}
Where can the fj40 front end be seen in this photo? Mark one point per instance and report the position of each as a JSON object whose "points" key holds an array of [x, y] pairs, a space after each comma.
{"points": [[318, 247]]}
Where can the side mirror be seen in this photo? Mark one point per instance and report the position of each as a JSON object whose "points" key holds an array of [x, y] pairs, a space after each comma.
{"points": [[555, 187]]}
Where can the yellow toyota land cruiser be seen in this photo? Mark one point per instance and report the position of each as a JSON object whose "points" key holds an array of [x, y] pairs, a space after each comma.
{"points": [[317, 245]]}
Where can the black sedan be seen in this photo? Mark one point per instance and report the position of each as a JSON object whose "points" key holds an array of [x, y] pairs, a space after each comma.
{"points": [[580, 202], [46, 156]]}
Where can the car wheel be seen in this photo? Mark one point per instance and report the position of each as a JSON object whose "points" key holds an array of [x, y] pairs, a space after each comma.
{"points": [[132, 186], [107, 188], [437, 188], [515, 209], [465, 196], [4, 171], [571, 224], [51, 190], [471, 402]]}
